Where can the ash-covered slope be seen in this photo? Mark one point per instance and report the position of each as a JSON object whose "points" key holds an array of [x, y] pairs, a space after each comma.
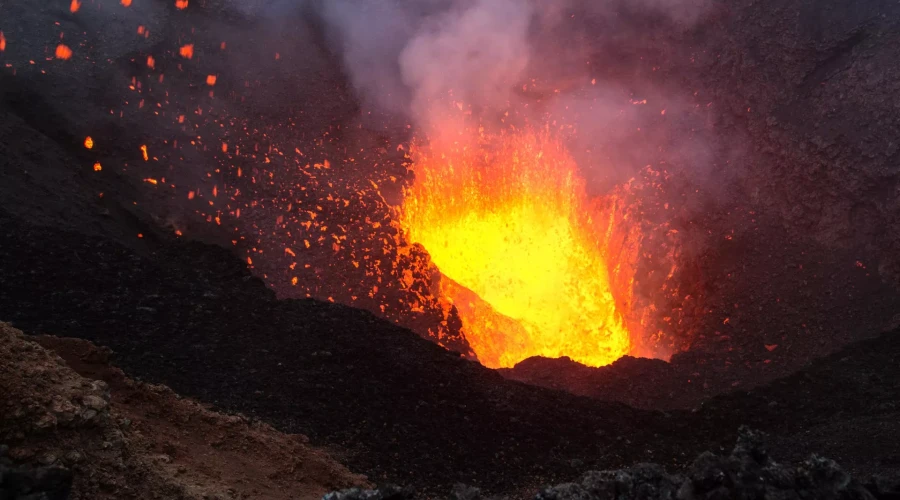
{"points": [[403, 409], [814, 85], [693, 377], [637, 382], [191, 316], [842, 405], [104, 436]]}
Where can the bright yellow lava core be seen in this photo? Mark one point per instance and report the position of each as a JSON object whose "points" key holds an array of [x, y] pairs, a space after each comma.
{"points": [[523, 252]]}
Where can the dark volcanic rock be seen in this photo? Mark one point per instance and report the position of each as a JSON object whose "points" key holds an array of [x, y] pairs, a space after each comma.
{"points": [[638, 382], [390, 492], [26, 482], [884, 488], [643, 481], [747, 473]]}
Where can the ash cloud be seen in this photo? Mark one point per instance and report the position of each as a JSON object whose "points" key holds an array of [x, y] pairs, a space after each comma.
{"points": [[417, 58], [474, 54], [403, 53]]}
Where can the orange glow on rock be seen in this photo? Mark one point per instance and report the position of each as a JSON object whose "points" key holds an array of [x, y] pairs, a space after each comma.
{"points": [[187, 51], [533, 266], [63, 52]]}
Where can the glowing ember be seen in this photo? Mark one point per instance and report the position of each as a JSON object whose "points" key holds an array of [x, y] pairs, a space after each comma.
{"points": [[211, 80], [88, 142], [187, 51], [181, 4], [126, 3], [2, 42], [528, 257], [98, 167], [63, 52], [144, 152], [151, 63]]}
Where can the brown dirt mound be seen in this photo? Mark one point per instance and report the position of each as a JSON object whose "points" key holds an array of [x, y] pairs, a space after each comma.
{"points": [[127, 439]]}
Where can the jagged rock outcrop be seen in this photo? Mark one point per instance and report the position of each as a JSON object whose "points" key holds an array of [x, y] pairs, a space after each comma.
{"points": [[747, 473]]}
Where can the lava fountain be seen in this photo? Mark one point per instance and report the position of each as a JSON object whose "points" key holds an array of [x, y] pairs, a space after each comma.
{"points": [[533, 266]]}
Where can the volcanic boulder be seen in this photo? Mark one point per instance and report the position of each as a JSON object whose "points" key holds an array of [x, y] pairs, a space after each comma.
{"points": [[748, 472]]}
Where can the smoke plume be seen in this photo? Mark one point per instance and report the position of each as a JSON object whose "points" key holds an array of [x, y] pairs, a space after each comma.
{"points": [[572, 63]]}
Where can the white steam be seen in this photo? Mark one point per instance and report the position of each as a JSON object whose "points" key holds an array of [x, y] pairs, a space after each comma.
{"points": [[415, 57], [573, 62], [474, 55]]}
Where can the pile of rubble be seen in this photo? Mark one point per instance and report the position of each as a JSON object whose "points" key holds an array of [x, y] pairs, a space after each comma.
{"points": [[66, 434], [747, 473]]}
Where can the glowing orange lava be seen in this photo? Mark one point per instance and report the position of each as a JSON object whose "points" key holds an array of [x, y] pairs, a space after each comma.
{"points": [[532, 265], [63, 52]]}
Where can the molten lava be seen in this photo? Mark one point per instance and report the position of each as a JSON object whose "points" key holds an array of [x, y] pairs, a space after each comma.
{"points": [[532, 265], [63, 52]]}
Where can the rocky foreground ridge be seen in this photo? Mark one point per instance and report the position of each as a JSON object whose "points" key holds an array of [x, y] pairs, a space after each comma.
{"points": [[747, 473], [72, 426]]}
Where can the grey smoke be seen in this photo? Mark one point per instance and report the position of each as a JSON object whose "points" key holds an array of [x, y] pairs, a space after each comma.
{"points": [[475, 54], [415, 59], [415, 56]]}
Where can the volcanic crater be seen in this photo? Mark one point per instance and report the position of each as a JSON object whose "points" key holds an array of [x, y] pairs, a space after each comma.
{"points": [[484, 242]]}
